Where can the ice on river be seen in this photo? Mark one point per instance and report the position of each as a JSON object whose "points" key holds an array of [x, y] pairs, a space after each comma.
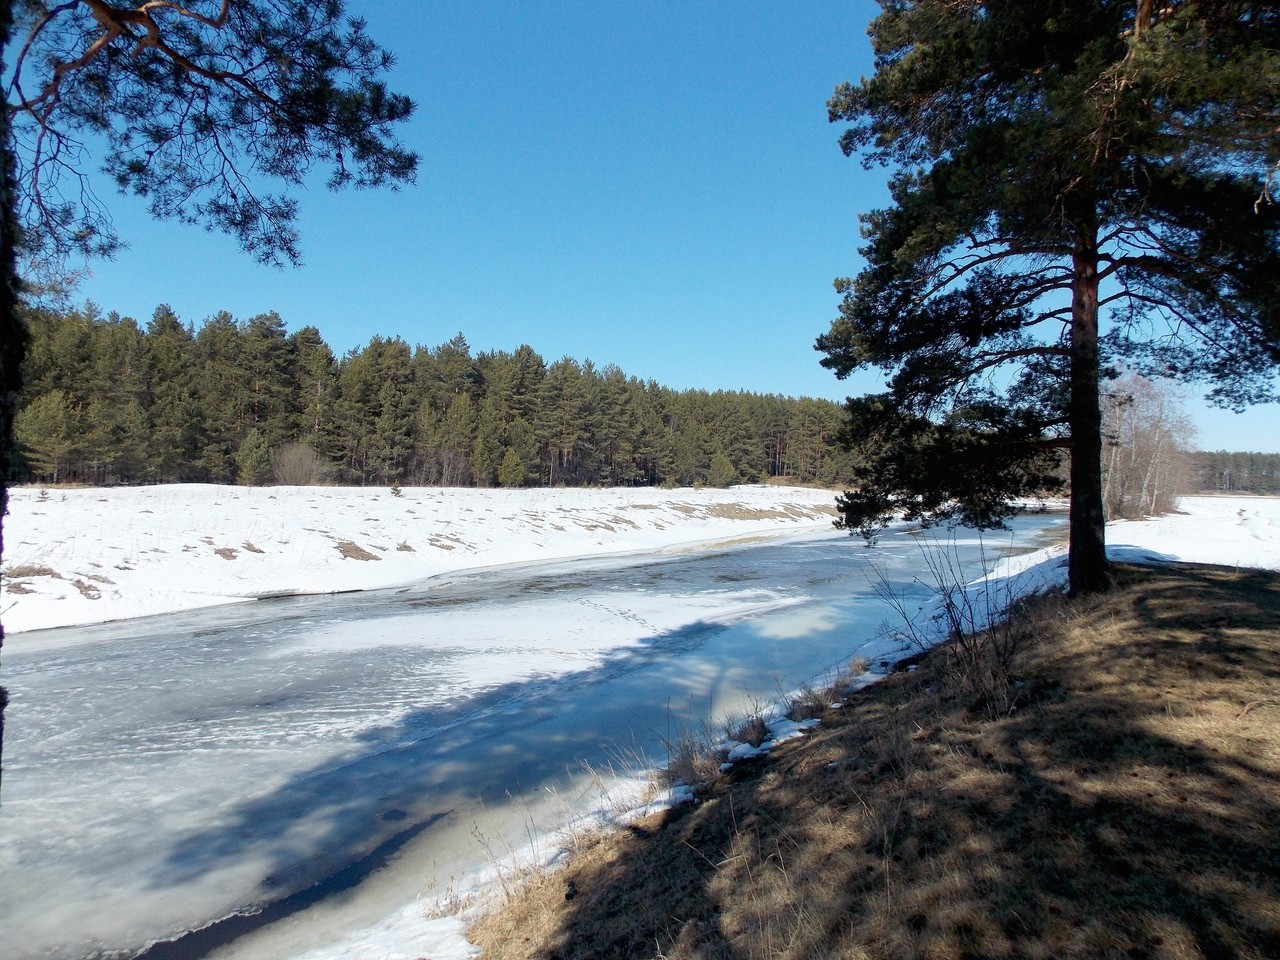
{"points": [[157, 780], [163, 773]]}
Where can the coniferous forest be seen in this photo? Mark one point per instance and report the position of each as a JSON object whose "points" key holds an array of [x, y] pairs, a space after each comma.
{"points": [[1221, 471], [109, 401]]}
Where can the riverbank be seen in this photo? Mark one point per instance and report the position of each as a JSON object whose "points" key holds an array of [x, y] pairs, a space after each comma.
{"points": [[729, 878], [1114, 794], [91, 555]]}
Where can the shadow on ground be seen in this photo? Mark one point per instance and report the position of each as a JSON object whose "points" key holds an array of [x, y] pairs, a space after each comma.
{"points": [[327, 828], [1126, 806]]}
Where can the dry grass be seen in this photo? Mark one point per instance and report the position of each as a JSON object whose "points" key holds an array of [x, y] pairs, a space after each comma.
{"points": [[13, 577], [1124, 803], [87, 590], [740, 511], [692, 759], [752, 729], [353, 551], [28, 570]]}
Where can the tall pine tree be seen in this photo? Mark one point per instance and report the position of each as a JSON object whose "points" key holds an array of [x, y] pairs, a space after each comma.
{"points": [[1074, 178]]}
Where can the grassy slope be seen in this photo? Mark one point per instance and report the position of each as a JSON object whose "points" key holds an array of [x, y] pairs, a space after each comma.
{"points": [[1126, 805]]}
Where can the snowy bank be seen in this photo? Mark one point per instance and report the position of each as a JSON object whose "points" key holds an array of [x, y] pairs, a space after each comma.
{"points": [[81, 556], [1240, 532], [1222, 531]]}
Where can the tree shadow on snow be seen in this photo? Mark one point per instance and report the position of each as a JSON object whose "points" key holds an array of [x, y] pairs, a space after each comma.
{"points": [[1126, 807], [327, 827]]}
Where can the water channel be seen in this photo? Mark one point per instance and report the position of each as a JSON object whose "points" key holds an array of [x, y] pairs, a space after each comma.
{"points": [[330, 757]]}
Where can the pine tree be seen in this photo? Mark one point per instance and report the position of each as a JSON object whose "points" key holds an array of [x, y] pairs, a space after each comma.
{"points": [[170, 405], [61, 356], [559, 427], [486, 448], [721, 472], [13, 333], [115, 437], [222, 397], [522, 442], [1059, 165], [48, 431], [454, 441], [314, 373], [171, 408], [618, 428], [454, 373], [268, 365], [511, 472], [253, 459]]}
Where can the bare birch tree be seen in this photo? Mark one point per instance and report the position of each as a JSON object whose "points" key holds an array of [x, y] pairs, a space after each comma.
{"points": [[1146, 462]]}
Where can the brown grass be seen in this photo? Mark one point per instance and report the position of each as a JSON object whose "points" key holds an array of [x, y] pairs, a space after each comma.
{"points": [[740, 511], [692, 759], [1125, 804], [31, 570], [353, 551], [87, 590]]}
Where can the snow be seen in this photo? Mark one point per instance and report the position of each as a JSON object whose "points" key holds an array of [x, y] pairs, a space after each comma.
{"points": [[1241, 532], [86, 556], [82, 556], [781, 729]]}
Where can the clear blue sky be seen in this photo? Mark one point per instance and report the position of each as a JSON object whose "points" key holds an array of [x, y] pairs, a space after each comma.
{"points": [[653, 185]]}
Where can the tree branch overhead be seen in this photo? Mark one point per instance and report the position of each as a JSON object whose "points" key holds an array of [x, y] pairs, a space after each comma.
{"points": [[198, 104]]}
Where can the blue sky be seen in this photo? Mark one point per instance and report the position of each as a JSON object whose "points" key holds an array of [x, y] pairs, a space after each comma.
{"points": [[653, 185]]}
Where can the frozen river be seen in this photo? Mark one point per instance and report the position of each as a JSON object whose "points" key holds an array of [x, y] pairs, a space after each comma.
{"points": [[334, 756]]}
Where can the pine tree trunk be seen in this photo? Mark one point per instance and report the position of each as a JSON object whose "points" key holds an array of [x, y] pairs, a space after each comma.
{"points": [[1087, 561]]}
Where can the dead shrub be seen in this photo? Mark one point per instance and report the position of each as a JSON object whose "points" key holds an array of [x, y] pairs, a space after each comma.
{"points": [[298, 465], [807, 703], [980, 626], [752, 729]]}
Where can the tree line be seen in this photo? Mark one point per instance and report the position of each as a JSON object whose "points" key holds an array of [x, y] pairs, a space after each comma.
{"points": [[108, 401], [1221, 471]]}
